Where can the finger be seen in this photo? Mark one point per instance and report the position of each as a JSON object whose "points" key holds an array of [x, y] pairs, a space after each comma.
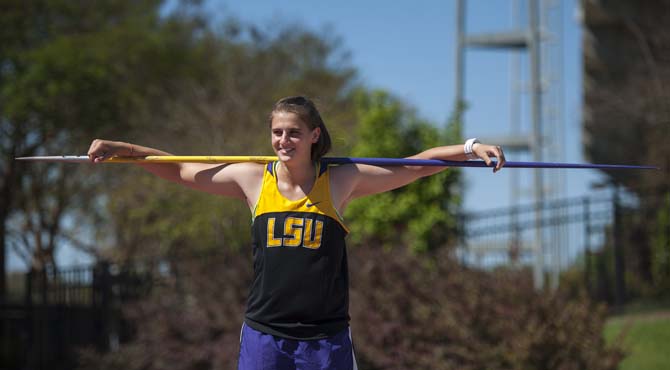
{"points": [[493, 151], [92, 156], [101, 157], [500, 158], [486, 158], [93, 150]]}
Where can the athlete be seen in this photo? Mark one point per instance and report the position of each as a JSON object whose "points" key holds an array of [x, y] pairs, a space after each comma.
{"points": [[297, 310]]}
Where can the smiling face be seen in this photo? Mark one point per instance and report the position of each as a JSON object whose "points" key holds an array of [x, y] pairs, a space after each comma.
{"points": [[292, 138]]}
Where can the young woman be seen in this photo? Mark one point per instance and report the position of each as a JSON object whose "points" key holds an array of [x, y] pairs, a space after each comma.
{"points": [[297, 310]]}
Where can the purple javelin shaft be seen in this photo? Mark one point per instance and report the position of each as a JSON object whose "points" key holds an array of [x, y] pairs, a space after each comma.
{"points": [[438, 162]]}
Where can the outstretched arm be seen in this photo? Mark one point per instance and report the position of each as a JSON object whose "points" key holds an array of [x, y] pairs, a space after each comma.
{"points": [[355, 181], [233, 180]]}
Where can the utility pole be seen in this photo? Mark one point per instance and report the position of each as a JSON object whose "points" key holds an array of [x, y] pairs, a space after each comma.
{"points": [[536, 145]]}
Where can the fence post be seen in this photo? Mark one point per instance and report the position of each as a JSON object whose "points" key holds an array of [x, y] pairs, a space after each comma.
{"points": [[103, 291], [45, 287], [460, 235], [42, 319], [587, 243], [619, 263], [32, 350], [28, 297]]}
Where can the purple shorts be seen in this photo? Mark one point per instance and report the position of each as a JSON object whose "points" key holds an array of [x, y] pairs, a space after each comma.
{"points": [[260, 351]]}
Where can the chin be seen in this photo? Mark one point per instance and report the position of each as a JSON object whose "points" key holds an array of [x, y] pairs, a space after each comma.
{"points": [[285, 157]]}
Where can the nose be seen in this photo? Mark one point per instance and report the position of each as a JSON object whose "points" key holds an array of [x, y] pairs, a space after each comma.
{"points": [[284, 137]]}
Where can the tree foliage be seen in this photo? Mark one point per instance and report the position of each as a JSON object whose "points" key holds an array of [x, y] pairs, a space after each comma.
{"points": [[225, 115], [70, 72], [420, 215], [127, 70], [627, 115]]}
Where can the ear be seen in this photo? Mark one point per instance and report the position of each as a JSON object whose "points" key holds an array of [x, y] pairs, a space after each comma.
{"points": [[316, 133]]}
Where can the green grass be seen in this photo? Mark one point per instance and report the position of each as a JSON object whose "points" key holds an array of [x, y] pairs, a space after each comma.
{"points": [[646, 339]]}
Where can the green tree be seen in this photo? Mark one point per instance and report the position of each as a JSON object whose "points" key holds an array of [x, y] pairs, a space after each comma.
{"points": [[70, 72], [227, 114], [626, 99], [627, 111], [420, 215]]}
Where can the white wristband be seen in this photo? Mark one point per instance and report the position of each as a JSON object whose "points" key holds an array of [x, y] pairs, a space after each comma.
{"points": [[467, 148]]}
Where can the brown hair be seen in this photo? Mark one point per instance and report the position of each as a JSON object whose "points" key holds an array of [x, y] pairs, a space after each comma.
{"points": [[306, 110]]}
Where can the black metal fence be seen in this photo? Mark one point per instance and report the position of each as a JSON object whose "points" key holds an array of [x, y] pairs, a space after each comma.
{"points": [[592, 234], [61, 311], [567, 227]]}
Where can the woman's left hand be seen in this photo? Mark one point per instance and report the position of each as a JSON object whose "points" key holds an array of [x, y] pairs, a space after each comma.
{"points": [[485, 152]]}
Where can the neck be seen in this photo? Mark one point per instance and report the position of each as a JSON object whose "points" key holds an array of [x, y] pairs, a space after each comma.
{"points": [[297, 173]]}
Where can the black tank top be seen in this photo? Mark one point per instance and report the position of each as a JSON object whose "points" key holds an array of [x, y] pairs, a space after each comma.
{"points": [[300, 288]]}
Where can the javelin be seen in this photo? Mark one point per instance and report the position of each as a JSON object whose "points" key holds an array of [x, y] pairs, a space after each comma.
{"points": [[331, 160]]}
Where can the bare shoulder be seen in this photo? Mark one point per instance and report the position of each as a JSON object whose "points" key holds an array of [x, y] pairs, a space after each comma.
{"points": [[223, 173], [246, 172], [249, 167], [233, 180]]}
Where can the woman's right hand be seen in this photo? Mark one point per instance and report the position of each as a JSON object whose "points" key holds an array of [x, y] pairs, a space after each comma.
{"points": [[101, 150]]}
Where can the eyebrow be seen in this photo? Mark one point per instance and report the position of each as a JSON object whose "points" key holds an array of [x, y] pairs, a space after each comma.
{"points": [[288, 129]]}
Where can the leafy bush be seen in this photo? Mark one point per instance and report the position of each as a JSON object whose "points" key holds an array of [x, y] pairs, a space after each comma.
{"points": [[408, 312], [427, 312], [191, 319]]}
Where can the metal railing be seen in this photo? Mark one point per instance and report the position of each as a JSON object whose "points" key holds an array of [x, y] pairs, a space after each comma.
{"points": [[573, 230]]}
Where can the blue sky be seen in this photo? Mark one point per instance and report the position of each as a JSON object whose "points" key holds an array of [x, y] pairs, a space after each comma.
{"points": [[408, 48]]}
